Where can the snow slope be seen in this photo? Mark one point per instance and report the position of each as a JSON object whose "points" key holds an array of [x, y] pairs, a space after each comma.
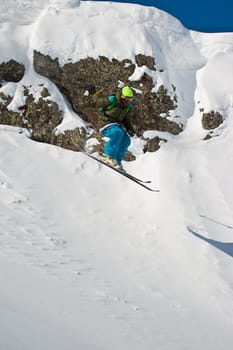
{"points": [[90, 260]]}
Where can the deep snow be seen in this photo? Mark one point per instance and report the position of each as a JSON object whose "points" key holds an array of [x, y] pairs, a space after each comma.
{"points": [[90, 260]]}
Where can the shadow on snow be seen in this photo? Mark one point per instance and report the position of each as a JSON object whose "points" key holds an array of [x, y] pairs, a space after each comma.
{"points": [[225, 247]]}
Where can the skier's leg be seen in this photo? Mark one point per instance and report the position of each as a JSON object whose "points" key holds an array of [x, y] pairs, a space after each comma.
{"points": [[115, 134], [123, 147]]}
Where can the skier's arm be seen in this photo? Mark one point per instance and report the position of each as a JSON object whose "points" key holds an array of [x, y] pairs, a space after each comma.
{"points": [[128, 125], [94, 101]]}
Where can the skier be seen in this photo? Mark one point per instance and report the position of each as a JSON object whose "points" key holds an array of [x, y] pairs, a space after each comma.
{"points": [[115, 123]]}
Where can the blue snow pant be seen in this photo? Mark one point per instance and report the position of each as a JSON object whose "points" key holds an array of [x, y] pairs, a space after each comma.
{"points": [[118, 142]]}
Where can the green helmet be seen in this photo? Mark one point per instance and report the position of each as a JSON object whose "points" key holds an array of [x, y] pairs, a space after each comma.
{"points": [[127, 92]]}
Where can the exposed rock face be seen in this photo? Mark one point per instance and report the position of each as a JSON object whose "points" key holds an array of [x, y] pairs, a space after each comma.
{"points": [[211, 120], [93, 76], [11, 71], [152, 145], [9, 117], [41, 118], [143, 60], [70, 139], [74, 79], [47, 67]]}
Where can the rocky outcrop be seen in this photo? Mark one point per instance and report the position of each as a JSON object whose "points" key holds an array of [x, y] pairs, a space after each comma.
{"points": [[143, 60], [70, 139], [211, 120], [11, 71], [8, 117], [152, 145], [94, 75], [41, 118]]}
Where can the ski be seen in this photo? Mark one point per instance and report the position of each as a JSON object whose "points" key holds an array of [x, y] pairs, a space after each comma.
{"points": [[129, 176], [118, 170]]}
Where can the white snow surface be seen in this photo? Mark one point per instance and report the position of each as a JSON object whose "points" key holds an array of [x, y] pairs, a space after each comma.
{"points": [[88, 259]]}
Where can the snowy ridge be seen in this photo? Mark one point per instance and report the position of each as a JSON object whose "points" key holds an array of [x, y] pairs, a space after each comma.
{"points": [[88, 259]]}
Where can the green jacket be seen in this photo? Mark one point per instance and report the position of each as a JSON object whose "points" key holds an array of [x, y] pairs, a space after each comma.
{"points": [[118, 113]]}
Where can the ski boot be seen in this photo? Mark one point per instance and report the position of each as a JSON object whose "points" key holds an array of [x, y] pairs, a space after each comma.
{"points": [[120, 167], [110, 161]]}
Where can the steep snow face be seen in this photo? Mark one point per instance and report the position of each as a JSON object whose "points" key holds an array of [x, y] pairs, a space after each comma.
{"points": [[25, 11], [219, 94], [214, 89], [62, 4], [88, 257], [116, 31], [20, 11]]}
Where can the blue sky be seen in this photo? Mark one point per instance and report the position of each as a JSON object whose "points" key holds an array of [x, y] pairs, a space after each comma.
{"points": [[199, 15]]}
